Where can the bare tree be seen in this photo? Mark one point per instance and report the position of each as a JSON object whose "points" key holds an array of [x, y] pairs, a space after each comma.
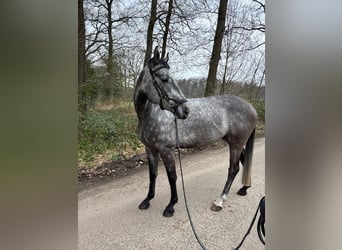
{"points": [[81, 58], [106, 20], [253, 92], [256, 21], [215, 55], [183, 28], [108, 6], [234, 46], [169, 21], [149, 40], [167, 27], [131, 65], [259, 94]]}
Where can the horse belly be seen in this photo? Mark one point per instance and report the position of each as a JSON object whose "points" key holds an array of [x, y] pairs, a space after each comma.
{"points": [[200, 137]]}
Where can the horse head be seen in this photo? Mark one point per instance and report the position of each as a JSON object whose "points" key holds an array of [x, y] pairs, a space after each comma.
{"points": [[162, 89]]}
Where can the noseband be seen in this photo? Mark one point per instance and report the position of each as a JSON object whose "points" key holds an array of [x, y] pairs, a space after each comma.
{"points": [[160, 90]]}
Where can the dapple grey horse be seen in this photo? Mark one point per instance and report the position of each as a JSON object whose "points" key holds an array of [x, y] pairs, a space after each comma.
{"points": [[158, 100]]}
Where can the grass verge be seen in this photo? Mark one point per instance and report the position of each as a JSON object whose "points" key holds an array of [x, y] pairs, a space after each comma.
{"points": [[105, 135]]}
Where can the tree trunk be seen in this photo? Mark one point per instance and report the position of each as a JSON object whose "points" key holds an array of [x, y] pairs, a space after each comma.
{"points": [[167, 27], [149, 42], [215, 56], [82, 104], [110, 36], [224, 80]]}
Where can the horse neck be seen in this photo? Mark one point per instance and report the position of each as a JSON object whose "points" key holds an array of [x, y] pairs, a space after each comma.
{"points": [[140, 101], [140, 98]]}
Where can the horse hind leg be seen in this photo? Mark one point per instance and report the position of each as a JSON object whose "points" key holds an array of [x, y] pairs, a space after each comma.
{"points": [[242, 156], [153, 160], [243, 159], [246, 160], [246, 180], [235, 153]]}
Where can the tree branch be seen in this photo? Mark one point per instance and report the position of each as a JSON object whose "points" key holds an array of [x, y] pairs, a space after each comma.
{"points": [[259, 28], [259, 45], [262, 5]]}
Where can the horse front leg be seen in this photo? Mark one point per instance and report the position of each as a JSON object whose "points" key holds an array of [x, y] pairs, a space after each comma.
{"points": [[232, 172], [169, 162], [153, 159]]}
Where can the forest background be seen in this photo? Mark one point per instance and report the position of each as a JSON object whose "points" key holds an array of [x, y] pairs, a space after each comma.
{"points": [[215, 47]]}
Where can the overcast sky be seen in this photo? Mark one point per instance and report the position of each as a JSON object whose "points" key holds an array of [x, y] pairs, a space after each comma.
{"points": [[194, 49]]}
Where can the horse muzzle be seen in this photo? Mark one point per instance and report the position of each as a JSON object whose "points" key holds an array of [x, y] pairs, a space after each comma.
{"points": [[178, 108], [182, 111]]}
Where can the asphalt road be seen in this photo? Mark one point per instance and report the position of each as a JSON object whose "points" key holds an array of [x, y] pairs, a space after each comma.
{"points": [[109, 218]]}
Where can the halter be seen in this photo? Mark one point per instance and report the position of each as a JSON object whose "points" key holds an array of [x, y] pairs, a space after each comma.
{"points": [[160, 90]]}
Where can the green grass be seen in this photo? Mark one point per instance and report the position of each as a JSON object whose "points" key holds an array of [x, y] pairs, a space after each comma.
{"points": [[114, 130]]}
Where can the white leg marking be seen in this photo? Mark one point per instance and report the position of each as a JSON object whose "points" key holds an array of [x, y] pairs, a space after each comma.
{"points": [[219, 202]]}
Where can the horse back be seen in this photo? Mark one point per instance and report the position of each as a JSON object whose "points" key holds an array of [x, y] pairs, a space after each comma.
{"points": [[213, 118]]}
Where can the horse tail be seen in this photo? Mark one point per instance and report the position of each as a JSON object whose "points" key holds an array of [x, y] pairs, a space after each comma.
{"points": [[246, 158]]}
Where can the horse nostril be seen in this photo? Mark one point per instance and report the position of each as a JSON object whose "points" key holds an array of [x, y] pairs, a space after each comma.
{"points": [[186, 111]]}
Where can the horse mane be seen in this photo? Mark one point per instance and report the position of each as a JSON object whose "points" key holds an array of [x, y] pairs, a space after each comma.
{"points": [[142, 73]]}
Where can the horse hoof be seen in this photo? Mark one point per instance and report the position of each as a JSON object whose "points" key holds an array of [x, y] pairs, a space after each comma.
{"points": [[168, 212], [215, 207], [144, 205], [242, 191]]}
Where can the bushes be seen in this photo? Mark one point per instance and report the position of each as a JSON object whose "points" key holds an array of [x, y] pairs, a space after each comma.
{"points": [[260, 108], [103, 130]]}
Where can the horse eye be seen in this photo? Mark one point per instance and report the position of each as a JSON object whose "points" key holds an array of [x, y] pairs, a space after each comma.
{"points": [[172, 103], [164, 78]]}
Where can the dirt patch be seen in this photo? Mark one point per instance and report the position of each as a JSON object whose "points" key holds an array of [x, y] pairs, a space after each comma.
{"points": [[111, 169]]}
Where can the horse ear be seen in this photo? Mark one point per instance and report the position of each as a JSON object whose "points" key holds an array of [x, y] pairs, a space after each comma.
{"points": [[156, 55], [167, 57]]}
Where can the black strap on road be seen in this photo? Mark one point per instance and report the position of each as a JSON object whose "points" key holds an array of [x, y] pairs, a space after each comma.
{"points": [[260, 226]]}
